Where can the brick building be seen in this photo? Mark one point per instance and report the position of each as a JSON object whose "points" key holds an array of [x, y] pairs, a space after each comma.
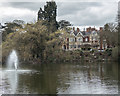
{"points": [[84, 40]]}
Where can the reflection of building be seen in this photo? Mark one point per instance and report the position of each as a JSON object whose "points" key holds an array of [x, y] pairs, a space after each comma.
{"points": [[85, 40]]}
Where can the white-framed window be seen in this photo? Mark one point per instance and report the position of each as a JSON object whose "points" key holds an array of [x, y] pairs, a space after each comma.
{"points": [[75, 46], [79, 46], [71, 46], [86, 39], [71, 39], [80, 39]]}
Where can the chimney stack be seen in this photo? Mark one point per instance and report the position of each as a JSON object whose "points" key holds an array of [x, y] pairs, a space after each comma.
{"points": [[78, 30], [87, 30], [101, 28], [92, 29]]}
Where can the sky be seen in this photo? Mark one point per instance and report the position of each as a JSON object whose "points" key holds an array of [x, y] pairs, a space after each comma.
{"points": [[78, 12]]}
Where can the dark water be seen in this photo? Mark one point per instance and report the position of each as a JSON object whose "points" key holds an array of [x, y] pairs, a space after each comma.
{"points": [[84, 78]]}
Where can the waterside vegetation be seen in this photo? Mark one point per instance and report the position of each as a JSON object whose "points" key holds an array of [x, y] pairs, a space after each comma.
{"points": [[41, 41]]}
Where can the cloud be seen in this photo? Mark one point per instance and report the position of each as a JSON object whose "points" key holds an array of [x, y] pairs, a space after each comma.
{"points": [[78, 13], [8, 14], [60, 0], [91, 13], [73, 7], [28, 5]]}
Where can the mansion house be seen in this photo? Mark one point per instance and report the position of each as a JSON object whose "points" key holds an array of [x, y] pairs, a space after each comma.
{"points": [[84, 40]]}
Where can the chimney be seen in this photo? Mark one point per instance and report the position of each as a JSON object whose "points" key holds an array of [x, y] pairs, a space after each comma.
{"points": [[87, 29], [93, 29], [78, 30], [90, 28], [101, 28]]}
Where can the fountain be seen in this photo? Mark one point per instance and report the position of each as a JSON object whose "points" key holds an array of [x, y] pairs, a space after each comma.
{"points": [[12, 62], [12, 72]]}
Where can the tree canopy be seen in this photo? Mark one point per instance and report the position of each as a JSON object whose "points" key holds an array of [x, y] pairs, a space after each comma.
{"points": [[10, 26], [49, 15], [63, 23], [33, 41]]}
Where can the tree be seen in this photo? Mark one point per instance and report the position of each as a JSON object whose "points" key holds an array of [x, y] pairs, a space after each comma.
{"points": [[10, 26], [110, 33], [32, 42], [40, 14], [49, 16], [63, 24]]}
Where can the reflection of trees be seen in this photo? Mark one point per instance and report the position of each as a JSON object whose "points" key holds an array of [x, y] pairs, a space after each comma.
{"points": [[64, 77], [44, 82], [55, 77], [102, 70], [13, 78], [101, 73], [89, 72], [111, 70]]}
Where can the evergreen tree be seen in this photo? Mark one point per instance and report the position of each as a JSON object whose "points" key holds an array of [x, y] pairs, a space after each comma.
{"points": [[49, 16], [40, 14]]}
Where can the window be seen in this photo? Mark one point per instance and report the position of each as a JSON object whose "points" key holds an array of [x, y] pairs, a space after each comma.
{"points": [[64, 47], [78, 46], [74, 46], [71, 46], [86, 39], [71, 39], [79, 39], [68, 39]]}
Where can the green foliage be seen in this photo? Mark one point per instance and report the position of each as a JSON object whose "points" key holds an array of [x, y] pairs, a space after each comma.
{"points": [[49, 16], [64, 23], [33, 42], [110, 33], [10, 26]]}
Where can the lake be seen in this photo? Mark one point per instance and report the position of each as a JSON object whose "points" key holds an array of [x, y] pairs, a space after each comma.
{"points": [[65, 78]]}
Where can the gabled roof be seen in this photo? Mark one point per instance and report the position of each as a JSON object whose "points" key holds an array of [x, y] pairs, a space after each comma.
{"points": [[80, 34], [94, 32], [75, 33], [86, 33], [83, 33]]}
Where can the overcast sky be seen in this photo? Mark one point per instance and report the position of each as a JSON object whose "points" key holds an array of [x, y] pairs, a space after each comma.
{"points": [[78, 13]]}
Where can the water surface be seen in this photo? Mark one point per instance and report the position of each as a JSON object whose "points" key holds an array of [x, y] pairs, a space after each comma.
{"points": [[68, 78]]}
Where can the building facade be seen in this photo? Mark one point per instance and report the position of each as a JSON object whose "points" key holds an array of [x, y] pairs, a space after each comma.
{"points": [[84, 40]]}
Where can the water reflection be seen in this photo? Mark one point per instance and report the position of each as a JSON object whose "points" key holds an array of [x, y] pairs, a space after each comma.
{"points": [[10, 79], [13, 80], [85, 78]]}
